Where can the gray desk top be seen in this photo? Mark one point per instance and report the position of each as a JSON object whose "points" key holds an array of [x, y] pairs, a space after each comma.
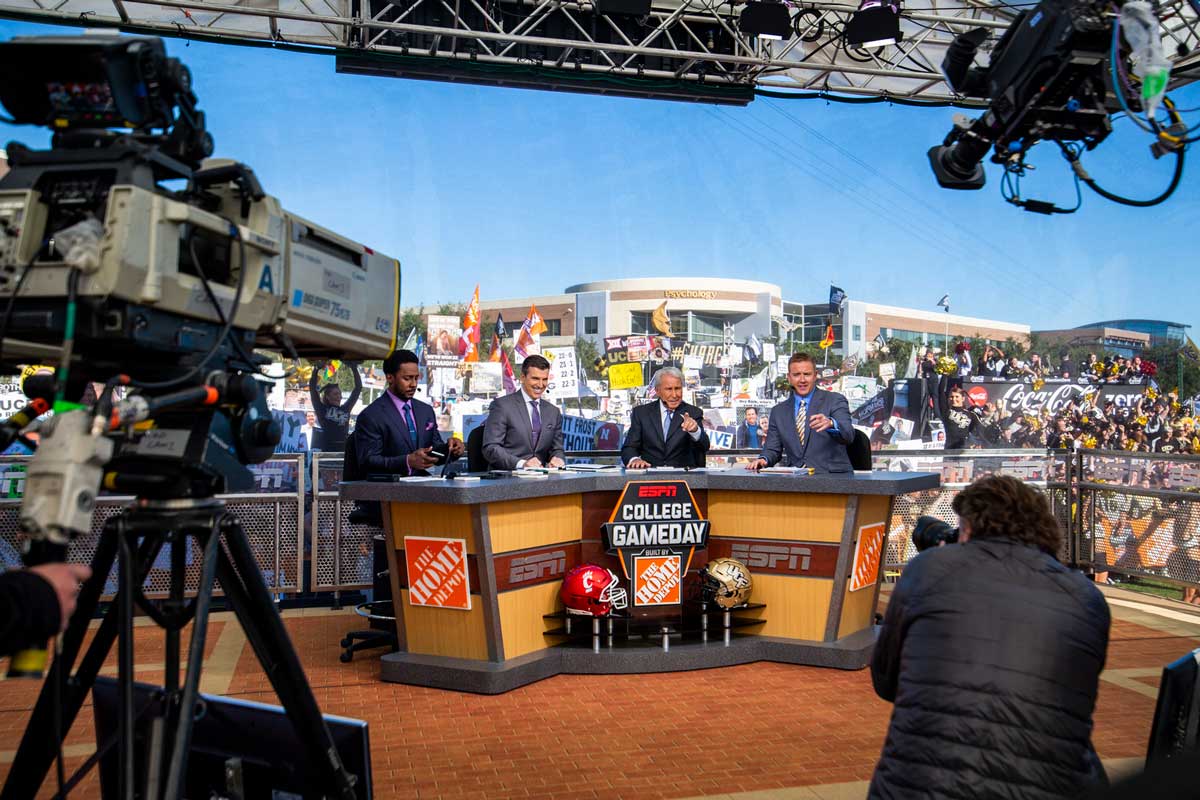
{"points": [[453, 492]]}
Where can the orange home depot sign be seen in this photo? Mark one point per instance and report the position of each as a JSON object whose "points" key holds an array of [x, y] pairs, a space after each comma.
{"points": [[867, 555], [656, 580], [437, 572]]}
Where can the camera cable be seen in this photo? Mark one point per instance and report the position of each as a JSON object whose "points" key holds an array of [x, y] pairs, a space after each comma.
{"points": [[1073, 158]]}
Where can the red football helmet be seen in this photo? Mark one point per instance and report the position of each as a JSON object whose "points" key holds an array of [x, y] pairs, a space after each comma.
{"points": [[592, 590]]}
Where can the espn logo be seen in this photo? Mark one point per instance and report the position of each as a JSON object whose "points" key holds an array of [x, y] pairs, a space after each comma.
{"points": [[538, 566], [774, 557], [657, 491]]}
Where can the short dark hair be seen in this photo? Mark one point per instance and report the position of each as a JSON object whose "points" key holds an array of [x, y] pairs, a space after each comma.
{"points": [[798, 357], [391, 364], [534, 362], [325, 389], [1002, 507]]}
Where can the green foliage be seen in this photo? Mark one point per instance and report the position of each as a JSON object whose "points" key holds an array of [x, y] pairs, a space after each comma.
{"points": [[899, 352], [586, 354]]}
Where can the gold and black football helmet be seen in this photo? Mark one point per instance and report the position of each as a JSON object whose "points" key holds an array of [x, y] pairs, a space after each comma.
{"points": [[726, 582]]}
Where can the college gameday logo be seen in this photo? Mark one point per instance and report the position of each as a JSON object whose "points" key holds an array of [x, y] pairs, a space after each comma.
{"points": [[868, 554], [655, 529], [656, 580], [437, 572]]}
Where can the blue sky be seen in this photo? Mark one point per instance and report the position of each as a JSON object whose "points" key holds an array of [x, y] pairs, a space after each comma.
{"points": [[526, 192]]}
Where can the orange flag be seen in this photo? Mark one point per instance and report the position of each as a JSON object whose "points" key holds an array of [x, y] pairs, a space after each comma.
{"points": [[827, 342], [468, 344]]}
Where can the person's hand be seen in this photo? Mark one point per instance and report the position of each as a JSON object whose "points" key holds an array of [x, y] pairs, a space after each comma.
{"points": [[421, 459], [533, 462], [756, 464], [456, 447], [557, 462], [65, 578], [819, 422], [638, 463], [688, 424]]}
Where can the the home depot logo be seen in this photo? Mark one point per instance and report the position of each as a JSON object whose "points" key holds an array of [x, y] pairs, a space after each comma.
{"points": [[437, 572], [656, 580], [867, 555]]}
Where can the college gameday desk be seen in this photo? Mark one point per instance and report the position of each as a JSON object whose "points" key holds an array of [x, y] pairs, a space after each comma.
{"points": [[799, 536]]}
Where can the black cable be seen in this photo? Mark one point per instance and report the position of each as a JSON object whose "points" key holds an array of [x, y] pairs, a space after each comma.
{"points": [[900, 101], [1076, 165], [12, 299]]}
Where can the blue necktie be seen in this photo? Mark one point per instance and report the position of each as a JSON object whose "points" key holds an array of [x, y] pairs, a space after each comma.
{"points": [[667, 424], [412, 426]]}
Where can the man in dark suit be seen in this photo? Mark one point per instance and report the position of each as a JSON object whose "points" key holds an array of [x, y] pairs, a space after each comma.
{"points": [[523, 430], [667, 432], [397, 433], [812, 427]]}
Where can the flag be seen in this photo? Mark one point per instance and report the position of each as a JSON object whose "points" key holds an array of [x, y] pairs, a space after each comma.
{"points": [[881, 345], [419, 347], [411, 341], [329, 371], [498, 335], [1190, 351], [945, 302], [836, 296], [510, 380], [785, 327], [827, 342], [528, 342], [468, 342], [754, 348]]}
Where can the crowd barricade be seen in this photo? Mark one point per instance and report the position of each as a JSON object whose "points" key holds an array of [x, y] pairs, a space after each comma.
{"points": [[271, 513]]}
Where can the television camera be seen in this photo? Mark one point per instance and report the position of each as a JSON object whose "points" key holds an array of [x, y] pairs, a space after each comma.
{"points": [[131, 258], [1051, 77]]}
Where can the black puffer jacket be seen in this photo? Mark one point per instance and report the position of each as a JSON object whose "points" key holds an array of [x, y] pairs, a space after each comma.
{"points": [[991, 652]]}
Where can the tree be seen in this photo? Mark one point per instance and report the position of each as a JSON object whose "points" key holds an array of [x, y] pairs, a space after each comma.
{"points": [[586, 354]]}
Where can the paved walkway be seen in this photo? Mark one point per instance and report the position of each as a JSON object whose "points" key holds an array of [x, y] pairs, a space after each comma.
{"points": [[749, 732]]}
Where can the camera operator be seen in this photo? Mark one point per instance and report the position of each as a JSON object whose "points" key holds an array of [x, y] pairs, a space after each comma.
{"points": [[36, 603], [991, 651]]}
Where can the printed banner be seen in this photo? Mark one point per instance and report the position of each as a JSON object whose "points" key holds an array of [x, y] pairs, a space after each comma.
{"points": [[867, 555], [437, 572], [580, 433], [442, 348], [564, 373]]}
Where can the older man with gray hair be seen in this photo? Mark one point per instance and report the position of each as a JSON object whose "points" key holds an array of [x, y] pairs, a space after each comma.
{"points": [[667, 432]]}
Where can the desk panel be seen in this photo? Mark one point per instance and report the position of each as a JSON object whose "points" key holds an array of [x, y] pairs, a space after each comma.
{"points": [[771, 515]]}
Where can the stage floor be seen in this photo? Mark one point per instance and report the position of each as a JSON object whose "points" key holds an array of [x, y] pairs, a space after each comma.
{"points": [[757, 731]]}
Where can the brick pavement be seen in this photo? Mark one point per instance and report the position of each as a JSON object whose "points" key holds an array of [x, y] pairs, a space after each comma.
{"points": [[753, 731]]}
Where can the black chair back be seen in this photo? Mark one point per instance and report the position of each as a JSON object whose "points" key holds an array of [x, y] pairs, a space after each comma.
{"points": [[860, 451], [368, 513], [475, 459]]}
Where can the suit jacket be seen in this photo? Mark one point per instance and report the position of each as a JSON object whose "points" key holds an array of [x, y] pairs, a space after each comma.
{"points": [[645, 438], [508, 433], [823, 451], [381, 436]]}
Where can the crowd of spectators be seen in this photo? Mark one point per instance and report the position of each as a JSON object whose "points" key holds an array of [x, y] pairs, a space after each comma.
{"points": [[996, 364]]}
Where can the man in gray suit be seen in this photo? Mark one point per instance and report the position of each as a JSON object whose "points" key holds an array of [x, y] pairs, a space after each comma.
{"points": [[812, 427], [523, 430]]}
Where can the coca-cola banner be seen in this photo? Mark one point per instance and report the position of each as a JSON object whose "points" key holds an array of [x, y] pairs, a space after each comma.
{"points": [[1057, 395]]}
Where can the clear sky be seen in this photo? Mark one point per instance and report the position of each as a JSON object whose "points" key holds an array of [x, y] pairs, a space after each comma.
{"points": [[526, 192]]}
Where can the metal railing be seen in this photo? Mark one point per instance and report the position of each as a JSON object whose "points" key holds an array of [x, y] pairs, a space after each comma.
{"points": [[1133, 513]]}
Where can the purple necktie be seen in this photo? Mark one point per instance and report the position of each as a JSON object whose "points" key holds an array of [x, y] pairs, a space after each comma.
{"points": [[537, 422]]}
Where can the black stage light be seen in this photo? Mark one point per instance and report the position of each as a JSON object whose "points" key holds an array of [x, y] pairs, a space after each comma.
{"points": [[875, 24], [629, 8], [766, 20]]}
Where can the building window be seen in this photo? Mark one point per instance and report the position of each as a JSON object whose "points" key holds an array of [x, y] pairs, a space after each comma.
{"points": [[554, 327], [679, 326], [639, 322], [591, 324], [707, 329], [856, 333]]}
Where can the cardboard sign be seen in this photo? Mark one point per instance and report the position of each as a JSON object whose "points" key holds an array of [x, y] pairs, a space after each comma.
{"points": [[437, 572], [867, 555], [656, 580], [625, 376]]}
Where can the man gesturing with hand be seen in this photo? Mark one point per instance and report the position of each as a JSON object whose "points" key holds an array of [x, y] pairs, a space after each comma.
{"points": [[667, 432]]}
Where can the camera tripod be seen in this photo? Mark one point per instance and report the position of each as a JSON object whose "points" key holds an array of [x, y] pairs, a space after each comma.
{"points": [[134, 539]]}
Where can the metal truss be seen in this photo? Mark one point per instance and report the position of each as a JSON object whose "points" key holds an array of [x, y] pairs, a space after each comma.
{"points": [[690, 50]]}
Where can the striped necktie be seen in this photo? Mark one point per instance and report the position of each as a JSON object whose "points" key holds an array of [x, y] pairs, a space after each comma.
{"points": [[802, 420]]}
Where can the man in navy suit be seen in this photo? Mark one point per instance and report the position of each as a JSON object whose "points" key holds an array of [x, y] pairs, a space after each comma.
{"points": [[812, 427], [667, 432], [397, 433]]}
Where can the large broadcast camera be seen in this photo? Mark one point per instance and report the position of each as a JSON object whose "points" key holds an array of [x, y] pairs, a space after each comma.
{"points": [[130, 258], [1050, 78]]}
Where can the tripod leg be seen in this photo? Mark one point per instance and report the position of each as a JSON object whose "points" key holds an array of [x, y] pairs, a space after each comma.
{"points": [[129, 585], [182, 741], [243, 585]]}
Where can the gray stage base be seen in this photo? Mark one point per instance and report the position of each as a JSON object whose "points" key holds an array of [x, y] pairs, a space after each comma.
{"points": [[481, 677]]}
